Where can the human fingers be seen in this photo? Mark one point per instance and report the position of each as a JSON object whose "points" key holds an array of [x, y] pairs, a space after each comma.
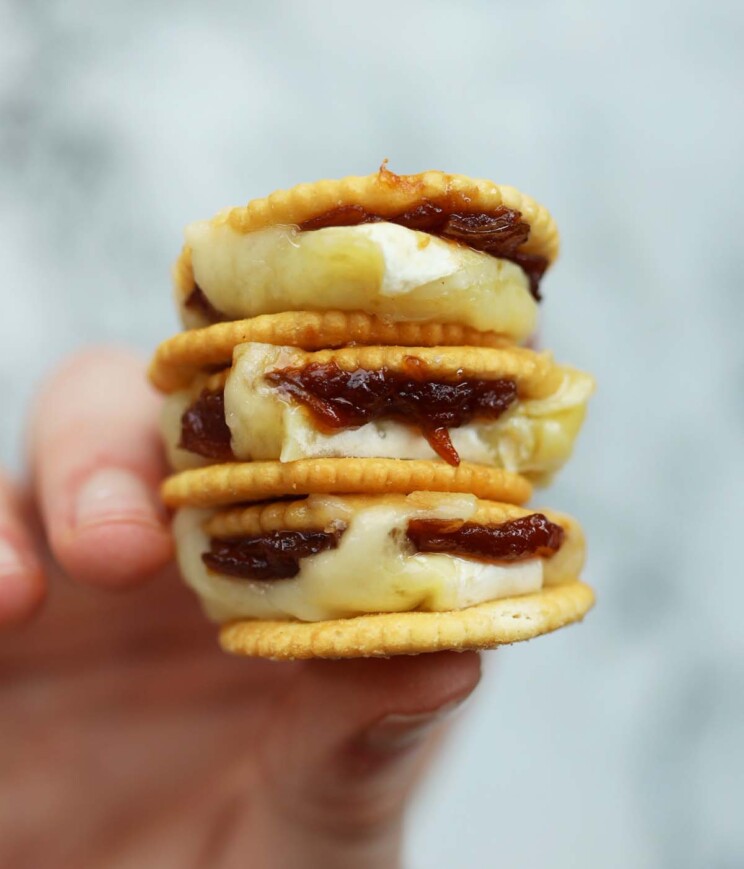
{"points": [[96, 461], [22, 583], [346, 748]]}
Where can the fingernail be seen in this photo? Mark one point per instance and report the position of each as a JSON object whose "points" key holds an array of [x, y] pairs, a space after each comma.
{"points": [[398, 731], [114, 494]]}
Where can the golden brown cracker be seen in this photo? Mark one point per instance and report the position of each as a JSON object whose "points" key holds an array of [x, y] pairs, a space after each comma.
{"points": [[238, 482], [386, 194], [316, 513], [536, 374], [180, 358], [485, 626]]}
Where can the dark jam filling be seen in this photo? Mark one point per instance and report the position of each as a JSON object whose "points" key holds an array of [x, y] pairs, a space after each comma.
{"points": [[348, 399], [499, 232], [275, 555], [203, 427], [198, 302], [514, 540]]}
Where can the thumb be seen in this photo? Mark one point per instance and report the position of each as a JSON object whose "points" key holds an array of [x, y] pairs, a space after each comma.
{"points": [[346, 748]]}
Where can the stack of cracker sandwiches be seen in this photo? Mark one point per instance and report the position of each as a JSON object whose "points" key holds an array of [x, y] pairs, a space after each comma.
{"points": [[355, 425]]}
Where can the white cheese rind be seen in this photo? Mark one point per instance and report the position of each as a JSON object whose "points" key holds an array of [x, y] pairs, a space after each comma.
{"points": [[379, 268], [372, 570]]}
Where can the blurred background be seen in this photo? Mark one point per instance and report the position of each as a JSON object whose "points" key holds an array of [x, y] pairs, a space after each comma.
{"points": [[614, 744]]}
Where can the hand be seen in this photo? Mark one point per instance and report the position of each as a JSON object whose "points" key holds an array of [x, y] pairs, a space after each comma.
{"points": [[128, 738]]}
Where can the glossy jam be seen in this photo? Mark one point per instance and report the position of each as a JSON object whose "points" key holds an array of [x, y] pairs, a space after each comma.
{"points": [[198, 302], [348, 399], [274, 555], [277, 554], [500, 232], [203, 427], [514, 540]]}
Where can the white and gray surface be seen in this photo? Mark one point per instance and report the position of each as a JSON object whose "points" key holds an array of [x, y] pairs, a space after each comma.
{"points": [[615, 744]]}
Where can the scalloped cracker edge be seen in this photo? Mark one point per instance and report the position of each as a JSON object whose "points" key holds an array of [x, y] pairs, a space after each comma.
{"points": [[180, 358], [384, 194], [485, 626], [241, 482]]}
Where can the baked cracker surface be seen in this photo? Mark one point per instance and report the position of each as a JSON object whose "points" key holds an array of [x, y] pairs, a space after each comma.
{"points": [[485, 626]]}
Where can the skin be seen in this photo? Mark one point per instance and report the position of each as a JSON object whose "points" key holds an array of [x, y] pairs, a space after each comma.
{"points": [[128, 738]]}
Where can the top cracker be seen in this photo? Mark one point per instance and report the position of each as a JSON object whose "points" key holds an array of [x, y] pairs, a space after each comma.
{"points": [[386, 195], [390, 245]]}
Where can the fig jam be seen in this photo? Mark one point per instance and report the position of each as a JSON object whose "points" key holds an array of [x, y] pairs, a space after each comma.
{"points": [[277, 554], [515, 540], [274, 555], [203, 427], [499, 232], [348, 399], [198, 302]]}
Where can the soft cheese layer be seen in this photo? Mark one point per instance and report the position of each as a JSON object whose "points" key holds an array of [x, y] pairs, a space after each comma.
{"points": [[372, 570], [534, 437], [380, 268]]}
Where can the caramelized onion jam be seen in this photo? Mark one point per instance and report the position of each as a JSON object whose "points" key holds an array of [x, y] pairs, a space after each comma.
{"points": [[528, 537], [277, 554], [198, 302], [348, 399], [203, 427]]}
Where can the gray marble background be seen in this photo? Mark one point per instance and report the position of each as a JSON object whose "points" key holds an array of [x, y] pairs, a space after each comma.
{"points": [[615, 744]]}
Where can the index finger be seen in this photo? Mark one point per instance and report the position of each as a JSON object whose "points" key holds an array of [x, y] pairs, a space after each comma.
{"points": [[96, 462]]}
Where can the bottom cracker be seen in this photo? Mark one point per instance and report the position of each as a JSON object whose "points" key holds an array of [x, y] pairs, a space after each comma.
{"points": [[485, 626]]}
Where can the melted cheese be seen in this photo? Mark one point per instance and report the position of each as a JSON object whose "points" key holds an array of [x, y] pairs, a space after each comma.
{"points": [[379, 268], [372, 570], [534, 437]]}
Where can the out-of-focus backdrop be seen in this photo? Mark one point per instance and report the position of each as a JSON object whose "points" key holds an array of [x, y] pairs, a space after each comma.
{"points": [[613, 744]]}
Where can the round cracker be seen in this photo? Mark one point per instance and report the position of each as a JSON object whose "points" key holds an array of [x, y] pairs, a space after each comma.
{"points": [[536, 374], [386, 194], [180, 358], [312, 513], [239, 482], [485, 626]]}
